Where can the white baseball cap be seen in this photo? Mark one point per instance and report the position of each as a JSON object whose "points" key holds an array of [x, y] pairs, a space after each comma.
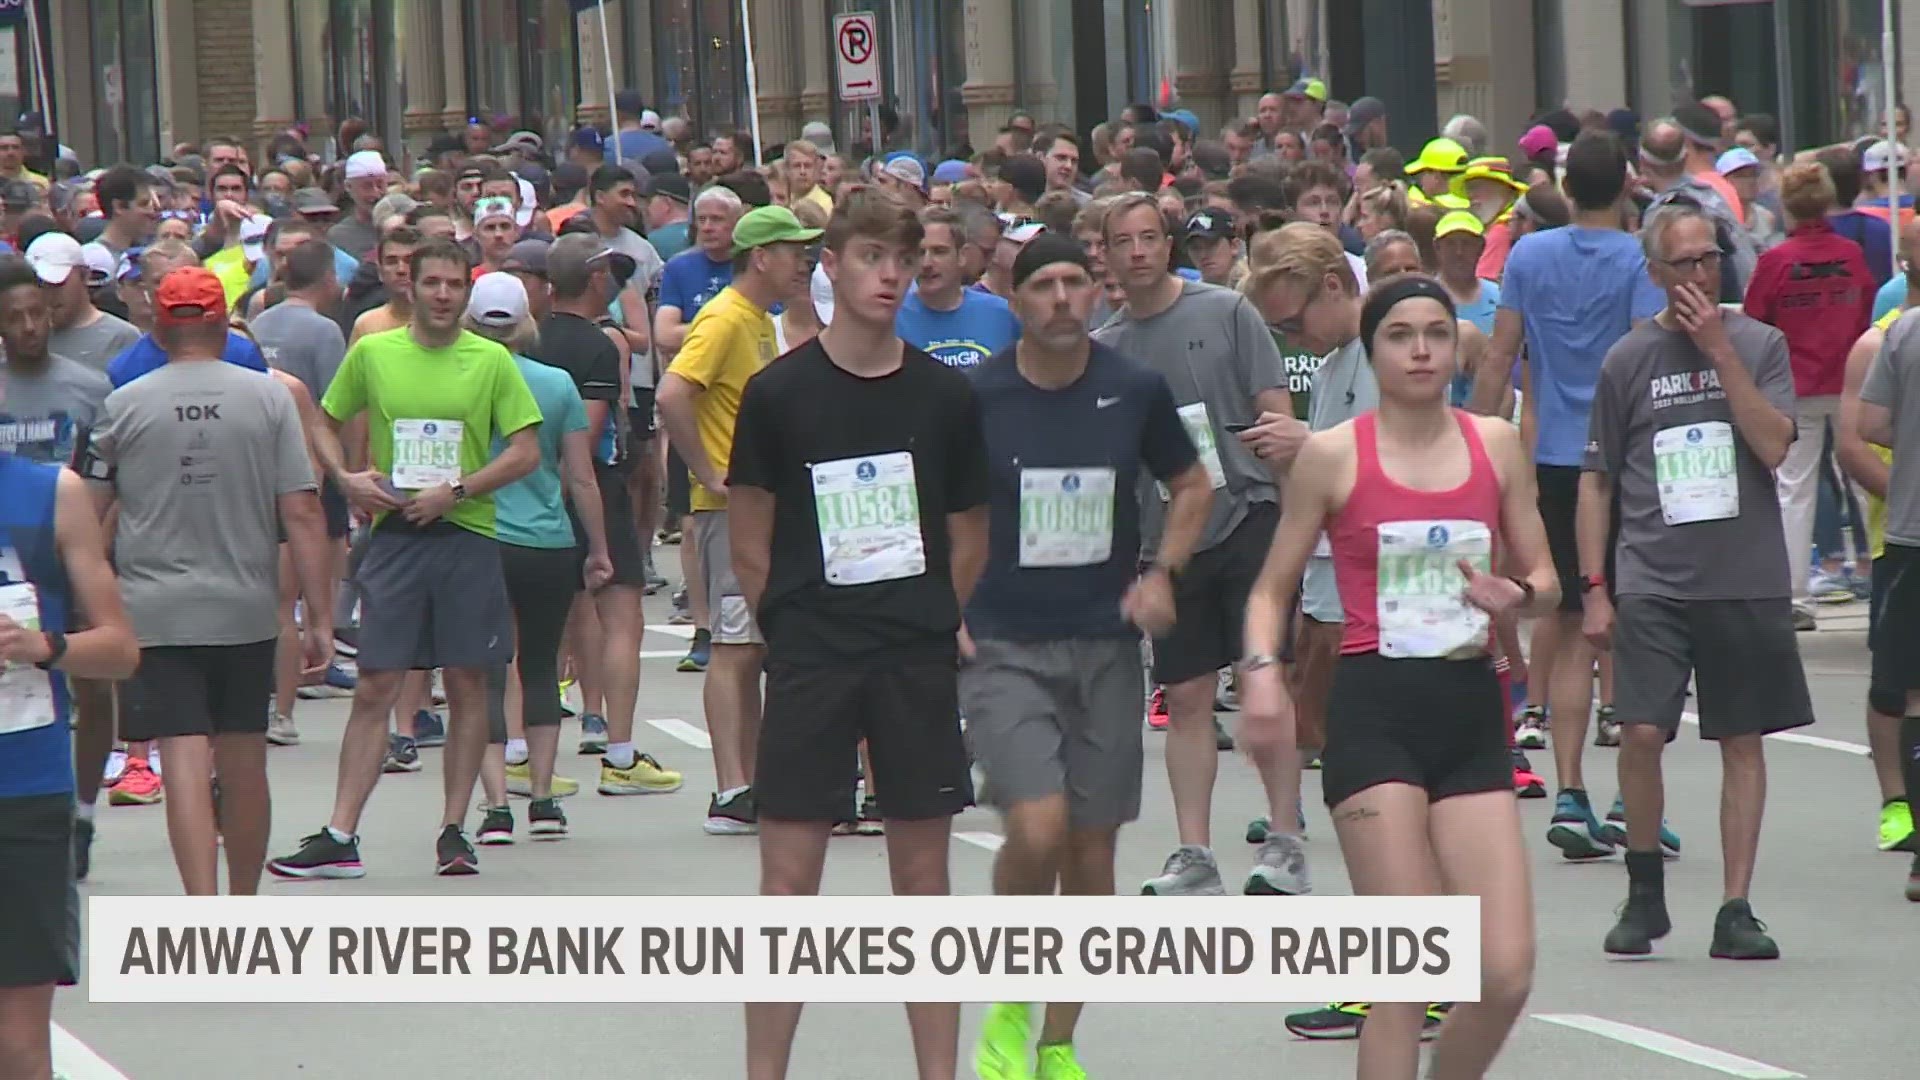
{"points": [[498, 300], [1881, 155], [54, 256], [366, 163], [649, 120], [529, 199], [492, 207], [101, 263], [253, 237]]}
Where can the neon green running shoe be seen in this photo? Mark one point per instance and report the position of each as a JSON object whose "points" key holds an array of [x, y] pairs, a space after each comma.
{"points": [[1005, 1033], [1058, 1063], [1896, 826]]}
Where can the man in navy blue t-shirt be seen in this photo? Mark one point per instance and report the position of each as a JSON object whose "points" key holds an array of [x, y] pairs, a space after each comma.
{"points": [[1053, 691]]}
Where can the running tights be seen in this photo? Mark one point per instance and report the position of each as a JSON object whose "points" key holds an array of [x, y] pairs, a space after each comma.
{"points": [[541, 583]]}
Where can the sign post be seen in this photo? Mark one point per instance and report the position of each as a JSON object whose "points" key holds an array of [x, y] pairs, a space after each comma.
{"points": [[856, 48]]}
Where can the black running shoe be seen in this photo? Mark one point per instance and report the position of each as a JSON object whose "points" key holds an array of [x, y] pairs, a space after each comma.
{"points": [[1222, 740], [497, 827], [870, 823], [454, 855], [1340, 1020], [1913, 880], [320, 856], [403, 755], [1737, 935], [545, 819], [82, 848], [1436, 1016]]}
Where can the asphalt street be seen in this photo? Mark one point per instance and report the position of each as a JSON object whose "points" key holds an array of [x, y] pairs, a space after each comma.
{"points": [[1836, 1007]]}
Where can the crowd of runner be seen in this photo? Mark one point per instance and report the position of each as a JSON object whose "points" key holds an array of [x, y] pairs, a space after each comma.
{"points": [[980, 470]]}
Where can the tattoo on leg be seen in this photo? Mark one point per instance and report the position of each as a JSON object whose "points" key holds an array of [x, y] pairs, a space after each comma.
{"points": [[1358, 813]]}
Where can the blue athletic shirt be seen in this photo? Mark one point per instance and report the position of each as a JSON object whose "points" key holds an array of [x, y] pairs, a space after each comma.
{"points": [[690, 279], [532, 511], [980, 327], [1480, 313], [144, 357], [1118, 416], [37, 760], [1577, 290]]}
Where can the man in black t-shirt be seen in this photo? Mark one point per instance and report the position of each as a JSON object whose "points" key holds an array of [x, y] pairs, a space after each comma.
{"points": [[584, 275], [857, 501]]}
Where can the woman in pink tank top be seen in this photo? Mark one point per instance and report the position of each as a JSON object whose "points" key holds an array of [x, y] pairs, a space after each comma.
{"points": [[1416, 501]]}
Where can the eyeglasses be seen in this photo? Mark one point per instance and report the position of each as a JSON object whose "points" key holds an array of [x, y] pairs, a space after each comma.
{"points": [[1708, 260], [1294, 324]]}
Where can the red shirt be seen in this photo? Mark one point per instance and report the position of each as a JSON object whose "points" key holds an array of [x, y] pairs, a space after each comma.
{"points": [[1816, 288]]}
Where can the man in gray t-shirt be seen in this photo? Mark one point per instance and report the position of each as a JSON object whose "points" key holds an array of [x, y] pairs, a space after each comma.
{"points": [[1692, 412], [1217, 355], [205, 461], [300, 341], [1890, 417], [95, 341], [46, 408], [200, 454]]}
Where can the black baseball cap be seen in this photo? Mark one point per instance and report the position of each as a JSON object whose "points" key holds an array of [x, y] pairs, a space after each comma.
{"points": [[1210, 225], [672, 185]]}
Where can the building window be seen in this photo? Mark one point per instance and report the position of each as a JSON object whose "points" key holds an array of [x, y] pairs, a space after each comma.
{"points": [[522, 65], [126, 108], [697, 68]]}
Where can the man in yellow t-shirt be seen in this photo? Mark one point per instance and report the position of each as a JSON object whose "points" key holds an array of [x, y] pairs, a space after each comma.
{"points": [[730, 340], [1868, 467]]}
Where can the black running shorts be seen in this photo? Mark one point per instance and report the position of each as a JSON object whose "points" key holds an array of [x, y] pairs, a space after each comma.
{"points": [[1210, 601], [1438, 725], [1895, 633], [39, 902], [907, 709], [199, 690]]}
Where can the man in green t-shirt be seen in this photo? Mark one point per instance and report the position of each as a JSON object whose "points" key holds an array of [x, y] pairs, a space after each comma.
{"points": [[435, 396]]}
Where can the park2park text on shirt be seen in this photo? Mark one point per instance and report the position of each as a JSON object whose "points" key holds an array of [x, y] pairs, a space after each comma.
{"points": [[750, 948]]}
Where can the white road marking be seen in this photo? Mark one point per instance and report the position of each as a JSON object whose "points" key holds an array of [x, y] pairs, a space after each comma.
{"points": [[683, 632], [662, 654], [75, 1060], [1671, 1046], [987, 840], [1804, 740], [685, 732]]}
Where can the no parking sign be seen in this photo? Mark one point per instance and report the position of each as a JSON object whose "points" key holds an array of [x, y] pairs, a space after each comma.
{"points": [[856, 47]]}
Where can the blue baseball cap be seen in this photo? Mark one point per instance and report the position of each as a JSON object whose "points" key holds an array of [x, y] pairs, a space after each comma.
{"points": [[588, 138]]}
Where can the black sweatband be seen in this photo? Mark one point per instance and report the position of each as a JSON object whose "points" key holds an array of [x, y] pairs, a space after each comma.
{"points": [[1382, 298]]}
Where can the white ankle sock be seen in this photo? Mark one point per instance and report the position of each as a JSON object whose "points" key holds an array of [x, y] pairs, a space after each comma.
{"points": [[516, 751], [621, 754]]}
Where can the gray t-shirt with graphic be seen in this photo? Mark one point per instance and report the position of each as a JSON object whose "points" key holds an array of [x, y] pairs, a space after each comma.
{"points": [[301, 342], [1343, 388], [198, 454], [1894, 384], [97, 343], [1216, 352], [1699, 512], [43, 415]]}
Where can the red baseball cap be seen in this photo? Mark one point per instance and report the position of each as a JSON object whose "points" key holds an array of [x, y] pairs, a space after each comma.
{"points": [[191, 294]]}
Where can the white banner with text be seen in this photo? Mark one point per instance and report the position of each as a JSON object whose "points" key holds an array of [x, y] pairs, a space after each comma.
{"points": [[445, 949]]}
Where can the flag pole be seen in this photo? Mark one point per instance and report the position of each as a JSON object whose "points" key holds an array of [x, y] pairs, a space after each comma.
{"points": [[1896, 171], [753, 82], [606, 53]]}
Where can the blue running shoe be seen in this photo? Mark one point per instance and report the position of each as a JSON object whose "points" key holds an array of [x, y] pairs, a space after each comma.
{"points": [[429, 729], [593, 734], [1615, 831], [1575, 830]]}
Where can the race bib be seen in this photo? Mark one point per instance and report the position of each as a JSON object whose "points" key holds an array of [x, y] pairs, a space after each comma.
{"points": [[1421, 602], [868, 510], [1200, 429], [1694, 466], [426, 453], [1066, 516], [26, 692]]}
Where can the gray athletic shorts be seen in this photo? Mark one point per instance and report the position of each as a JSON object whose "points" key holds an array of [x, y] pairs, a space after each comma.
{"points": [[1058, 716], [432, 598], [728, 618], [1742, 655]]}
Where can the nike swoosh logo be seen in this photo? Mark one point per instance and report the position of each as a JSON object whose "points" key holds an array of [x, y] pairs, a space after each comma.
{"points": [[1101, 403]]}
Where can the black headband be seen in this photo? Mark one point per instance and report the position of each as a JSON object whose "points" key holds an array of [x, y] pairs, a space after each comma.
{"points": [[1382, 298], [1044, 250]]}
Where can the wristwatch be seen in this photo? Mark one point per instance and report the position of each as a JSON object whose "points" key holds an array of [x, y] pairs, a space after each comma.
{"points": [[459, 489], [56, 648], [1257, 661], [1590, 582]]}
